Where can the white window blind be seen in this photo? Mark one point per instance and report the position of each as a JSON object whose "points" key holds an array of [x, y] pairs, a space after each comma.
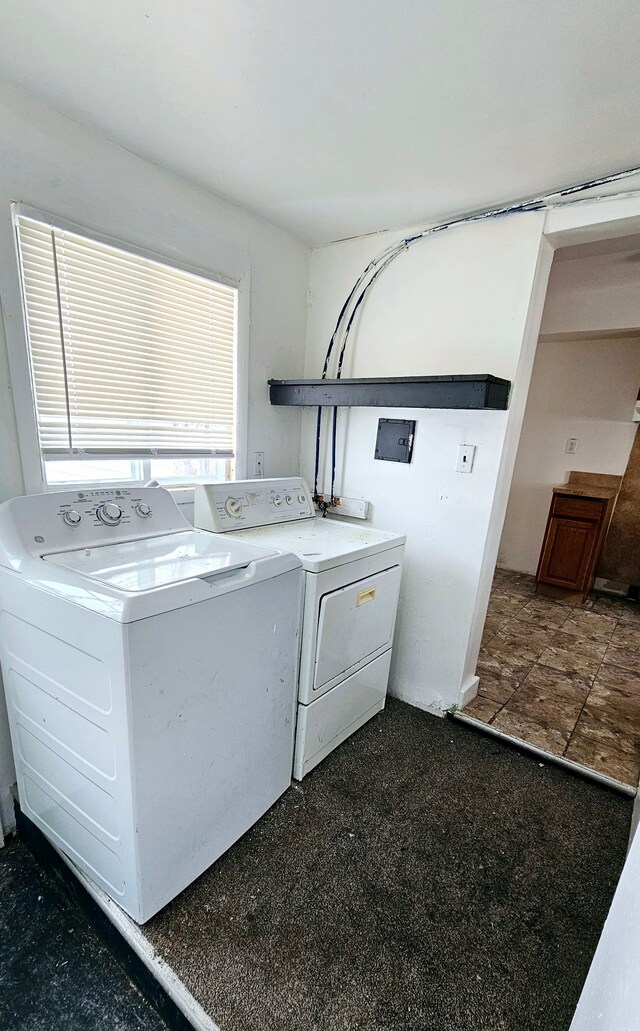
{"points": [[129, 356]]}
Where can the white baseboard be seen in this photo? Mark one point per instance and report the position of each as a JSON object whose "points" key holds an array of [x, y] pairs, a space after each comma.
{"points": [[134, 935], [410, 699], [468, 691]]}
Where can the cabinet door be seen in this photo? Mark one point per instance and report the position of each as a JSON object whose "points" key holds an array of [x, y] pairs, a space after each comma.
{"points": [[567, 552]]}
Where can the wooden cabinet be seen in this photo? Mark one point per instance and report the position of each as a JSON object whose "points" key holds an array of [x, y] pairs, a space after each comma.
{"points": [[576, 528]]}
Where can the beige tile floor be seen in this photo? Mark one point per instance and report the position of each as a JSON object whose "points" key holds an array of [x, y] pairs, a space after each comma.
{"points": [[562, 676]]}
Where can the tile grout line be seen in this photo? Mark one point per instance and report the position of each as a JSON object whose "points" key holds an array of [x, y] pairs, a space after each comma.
{"points": [[507, 621], [602, 661], [570, 738], [528, 674], [498, 711], [595, 677], [536, 663], [496, 589], [519, 684]]}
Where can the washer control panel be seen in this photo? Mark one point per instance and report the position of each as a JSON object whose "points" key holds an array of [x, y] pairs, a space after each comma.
{"points": [[109, 513], [65, 520], [245, 503], [105, 507]]}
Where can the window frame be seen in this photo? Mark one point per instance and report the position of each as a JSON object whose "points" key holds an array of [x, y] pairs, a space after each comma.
{"points": [[20, 357]]}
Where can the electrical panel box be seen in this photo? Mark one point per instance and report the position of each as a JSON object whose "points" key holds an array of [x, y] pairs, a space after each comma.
{"points": [[394, 442]]}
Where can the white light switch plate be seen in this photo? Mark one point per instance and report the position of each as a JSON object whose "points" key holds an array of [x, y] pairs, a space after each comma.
{"points": [[466, 455]]}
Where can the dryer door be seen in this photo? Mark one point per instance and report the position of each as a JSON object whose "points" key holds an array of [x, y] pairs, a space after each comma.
{"points": [[355, 624]]}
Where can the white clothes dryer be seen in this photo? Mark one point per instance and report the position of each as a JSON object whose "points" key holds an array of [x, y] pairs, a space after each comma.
{"points": [[150, 672], [351, 588]]}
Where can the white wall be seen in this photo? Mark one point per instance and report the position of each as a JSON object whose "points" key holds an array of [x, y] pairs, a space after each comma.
{"points": [[593, 294], [580, 388], [457, 303], [52, 163], [610, 1000], [10, 484]]}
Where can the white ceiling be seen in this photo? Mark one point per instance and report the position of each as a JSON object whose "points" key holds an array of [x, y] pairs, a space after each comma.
{"points": [[338, 117]]}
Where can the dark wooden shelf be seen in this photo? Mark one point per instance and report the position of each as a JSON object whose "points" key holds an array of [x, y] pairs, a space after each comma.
{"points": [[488, 392]]}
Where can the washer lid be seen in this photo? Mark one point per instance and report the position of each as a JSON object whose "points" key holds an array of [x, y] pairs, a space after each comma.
{"points": [[143, 565]]}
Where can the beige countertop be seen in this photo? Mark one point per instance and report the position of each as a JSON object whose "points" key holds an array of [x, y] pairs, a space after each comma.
{"points": [[586, 490], [601, 486]]}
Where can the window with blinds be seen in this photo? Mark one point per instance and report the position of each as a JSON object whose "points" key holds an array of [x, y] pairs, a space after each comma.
{"points": [[130, 358]]}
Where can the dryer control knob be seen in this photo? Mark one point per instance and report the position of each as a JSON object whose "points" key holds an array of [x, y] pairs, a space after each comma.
{"points": [[233, 508], [71, 518], [277, 501], [143, 510], [301, 499], [109, 513], [289, 499]]}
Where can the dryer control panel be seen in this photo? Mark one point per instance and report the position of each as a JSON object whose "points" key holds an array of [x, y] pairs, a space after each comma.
{"points": [[246, 503]]}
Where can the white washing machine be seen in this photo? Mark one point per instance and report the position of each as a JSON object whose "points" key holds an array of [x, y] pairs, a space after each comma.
{"points": [[352, 582], [150, 672]]}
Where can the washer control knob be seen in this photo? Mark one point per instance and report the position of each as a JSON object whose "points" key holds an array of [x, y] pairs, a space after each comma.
{"points": [[301, 499], [277, 501], [289, 499], [109, 513], [143, 510], [233, 508], [71, 518]]}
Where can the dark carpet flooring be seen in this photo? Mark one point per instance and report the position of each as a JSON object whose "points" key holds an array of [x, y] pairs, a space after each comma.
{"points": [[425, 877], [55, 974]]}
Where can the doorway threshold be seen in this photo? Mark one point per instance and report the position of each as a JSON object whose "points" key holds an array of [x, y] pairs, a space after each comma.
{"points": [[559, 760]]}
